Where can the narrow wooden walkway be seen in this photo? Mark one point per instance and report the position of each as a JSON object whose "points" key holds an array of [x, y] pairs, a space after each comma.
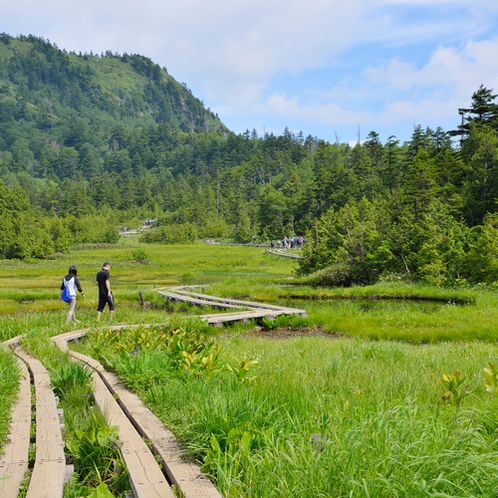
{"points": [[248, 310], [284, 254], [49, 471], [136, 421], [146, 478], [14, 461]]}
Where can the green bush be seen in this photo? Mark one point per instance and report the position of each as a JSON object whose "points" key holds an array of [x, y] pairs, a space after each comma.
{"points": [[140, 255], [336, 275]]}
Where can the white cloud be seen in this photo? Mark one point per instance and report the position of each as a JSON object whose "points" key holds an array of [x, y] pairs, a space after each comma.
{"points": [[457, 68], [230, 52], [329, 113], [243, 43], [430, 95]]}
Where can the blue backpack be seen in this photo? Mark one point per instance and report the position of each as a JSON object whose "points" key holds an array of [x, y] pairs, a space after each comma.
{"points": [[66, 295]]}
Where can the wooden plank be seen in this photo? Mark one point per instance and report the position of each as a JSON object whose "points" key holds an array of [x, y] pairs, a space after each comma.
{"points": [[193, 300], [182, 473], [146, 478], [11, 342], [248, 304], [73, 335], [228, 318], [47, 479], [278, 252], [186, 475], [14, 461], [246, 314]]}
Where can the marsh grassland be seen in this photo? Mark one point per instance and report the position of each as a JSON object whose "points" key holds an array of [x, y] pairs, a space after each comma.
{"points": [[383, 391]]}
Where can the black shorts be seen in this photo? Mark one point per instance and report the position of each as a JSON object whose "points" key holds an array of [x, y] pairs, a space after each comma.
{"points": [[105, 299]]}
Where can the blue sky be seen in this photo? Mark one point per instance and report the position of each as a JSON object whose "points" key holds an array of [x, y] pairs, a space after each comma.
{"points": [[331, 69]]}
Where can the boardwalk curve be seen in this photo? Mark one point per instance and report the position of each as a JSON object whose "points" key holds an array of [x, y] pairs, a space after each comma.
{"points": [[122, 408]]}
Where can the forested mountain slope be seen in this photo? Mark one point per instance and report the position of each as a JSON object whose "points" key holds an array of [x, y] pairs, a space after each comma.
{"points": [[90, 143], [49, 90]]}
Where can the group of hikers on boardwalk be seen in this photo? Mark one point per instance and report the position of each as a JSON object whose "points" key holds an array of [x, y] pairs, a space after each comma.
{"points": [[70, 284], [294, 242], [288, 243]]}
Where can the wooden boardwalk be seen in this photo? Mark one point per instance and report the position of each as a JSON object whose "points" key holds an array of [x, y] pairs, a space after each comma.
{"points": [[247, 310], [135, 422], [14, 461], [284, 254], [122, 408], [49, 471]]}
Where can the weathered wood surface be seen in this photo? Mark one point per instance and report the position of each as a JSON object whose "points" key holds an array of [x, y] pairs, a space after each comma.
{"points": [[192, 300], [11, 342], [146, 478], [284, 254], [251, 305], [47, 479], [14, 461], [183, 474], [219, 320]]}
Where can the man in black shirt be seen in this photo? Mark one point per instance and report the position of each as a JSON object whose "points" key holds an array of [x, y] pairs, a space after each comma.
{"points": [[105, 294]]}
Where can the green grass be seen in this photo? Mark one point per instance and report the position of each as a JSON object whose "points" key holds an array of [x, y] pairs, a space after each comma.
{"points": [[351, 405], [9, 382], [331, 417]]}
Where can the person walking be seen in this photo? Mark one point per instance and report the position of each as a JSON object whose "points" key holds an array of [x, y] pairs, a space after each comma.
{"points": [[105, 294], [72, 283]]}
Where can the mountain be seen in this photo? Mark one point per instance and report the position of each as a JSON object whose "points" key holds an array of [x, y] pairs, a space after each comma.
{"points": [[89, 143], [44, 88]]}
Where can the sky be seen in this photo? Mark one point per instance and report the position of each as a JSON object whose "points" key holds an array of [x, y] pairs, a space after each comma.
{"points": [[335, 70]]}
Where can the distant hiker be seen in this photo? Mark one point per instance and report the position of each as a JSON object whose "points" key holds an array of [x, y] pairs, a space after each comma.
{"points": [[105, 294], [254, 239], [72, 283], [272, 245]]}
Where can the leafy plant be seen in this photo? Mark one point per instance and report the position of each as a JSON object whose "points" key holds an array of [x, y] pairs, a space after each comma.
{"points": [[101, 491], [491, 374], [96, 455], [233, 453], [279, 321], [68, 376], [268, 323], [197, 360], [452, 384], [241, 369]]}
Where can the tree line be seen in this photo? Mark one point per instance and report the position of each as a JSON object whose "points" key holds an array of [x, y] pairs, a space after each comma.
{"points": [[73, 150]]}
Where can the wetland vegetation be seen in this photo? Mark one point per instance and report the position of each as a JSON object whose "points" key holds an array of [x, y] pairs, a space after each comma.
{"points": [[372, 394]]}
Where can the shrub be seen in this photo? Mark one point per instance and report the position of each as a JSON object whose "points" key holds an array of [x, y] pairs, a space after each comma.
{"points": [[172, 234], [336, 275], [140, 256]]}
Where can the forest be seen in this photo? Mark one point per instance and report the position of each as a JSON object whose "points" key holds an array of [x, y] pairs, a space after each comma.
{"points": [[91, 143]]}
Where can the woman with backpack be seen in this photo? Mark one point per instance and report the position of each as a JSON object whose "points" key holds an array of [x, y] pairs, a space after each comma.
{"points": [[68, 292]]}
